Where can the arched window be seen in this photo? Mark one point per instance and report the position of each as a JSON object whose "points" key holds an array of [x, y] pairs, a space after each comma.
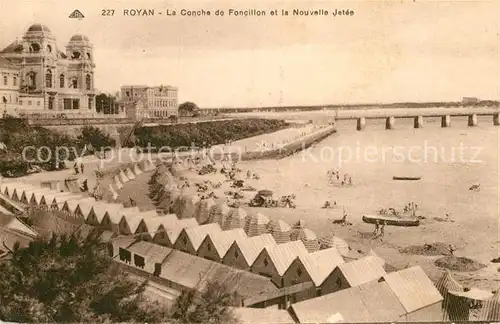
{"points": [[75, 55], [74, 83], [61, 81], [34, 48], [88, 56], [88, 82], [48, 79], [49, 48]]}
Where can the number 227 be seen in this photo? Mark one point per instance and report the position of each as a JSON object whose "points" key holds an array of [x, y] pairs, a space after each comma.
{"points": [[108, 12]]}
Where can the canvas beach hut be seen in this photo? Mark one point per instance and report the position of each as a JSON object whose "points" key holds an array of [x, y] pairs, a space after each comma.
{"points": [[256, 224], [215, 245], [70, 206], [168, 233], [36, 197], [137, 170], [58, 201], [123, 178], [6, 185], [219, 213], [190, 205], [243, 252], [118, 183], [98, 210], [112, 218], [203, 210], [331, 240], [130, 221], [309, 239], [28, 193], [190, 239], [49, 198], [280, 230], [17, 192], [236, 218], [130, 174], [319, 265], [152, 225]]}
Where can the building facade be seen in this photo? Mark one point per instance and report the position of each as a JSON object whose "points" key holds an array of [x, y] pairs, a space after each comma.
{"points": [[140, 101], [46, 79]]}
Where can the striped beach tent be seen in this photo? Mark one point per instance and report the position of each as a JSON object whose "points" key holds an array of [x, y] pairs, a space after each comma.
{"points": [[137, 170], [256, 224], [114, 194], [129, 174], [452, 306], [123, 177], [331, 240], [490, 311], [191, 202], [280, 230], [235, 219], [309, 239], [118, 183], [301, 224], [219, 213], [203, 210]]}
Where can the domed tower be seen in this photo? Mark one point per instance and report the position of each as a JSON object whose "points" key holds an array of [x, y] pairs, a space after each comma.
{"points": [[39, 39], [79, 52]]}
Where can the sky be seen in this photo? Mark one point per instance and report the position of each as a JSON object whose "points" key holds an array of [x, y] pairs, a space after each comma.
{"points": [[388, 51]]}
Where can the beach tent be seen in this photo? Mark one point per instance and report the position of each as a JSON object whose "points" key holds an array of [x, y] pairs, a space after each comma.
{"points": [[83, 209], [280, 230], [118, 183], [137, 170], [113, 216], [243, 252], [190, 206], [203, 210], [123, 178], [58, 201], [294, 235], [70, 206], [37, 197], [130, 221], [17, 191], [309, 239], [216, 245], [452, 306], [113, 192], [28, 198], [99, 211], [5, 185], [129, 174], [331, 240], [235, 219], [48, 198], [149, 226], [256, 224], [219, 213]]}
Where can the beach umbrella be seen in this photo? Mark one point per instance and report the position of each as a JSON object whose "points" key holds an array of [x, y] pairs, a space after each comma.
{"points": [[257, 224], [309, 239], [331, 240], [129, 174], [137, 170], [203, 211], [235, 219], [118, 183], [280, 230], [123, 178]]}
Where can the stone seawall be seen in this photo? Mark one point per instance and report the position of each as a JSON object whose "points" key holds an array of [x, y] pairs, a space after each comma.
{"points": [[291, 147], [116, 131]]}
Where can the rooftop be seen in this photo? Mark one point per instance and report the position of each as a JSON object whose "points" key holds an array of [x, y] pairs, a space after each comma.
{"points": [[362, 271]]}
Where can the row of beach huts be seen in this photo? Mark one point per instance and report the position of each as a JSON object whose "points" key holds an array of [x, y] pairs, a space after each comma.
{"points": [[208, 236]]}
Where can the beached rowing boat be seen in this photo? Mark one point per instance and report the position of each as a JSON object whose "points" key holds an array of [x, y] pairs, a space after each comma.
{"points": [[406, 178], [391, 220]]}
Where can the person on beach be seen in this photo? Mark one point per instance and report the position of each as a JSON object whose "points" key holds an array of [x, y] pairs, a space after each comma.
{"points": [[344, 219], [451, 249], [377, 228], [76, 168], [382, 229], [448, 217], [350, 181], [81, 167]]}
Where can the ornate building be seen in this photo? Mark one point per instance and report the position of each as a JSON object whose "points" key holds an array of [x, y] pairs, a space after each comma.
{"points": [[46, 79], [141, 101]]}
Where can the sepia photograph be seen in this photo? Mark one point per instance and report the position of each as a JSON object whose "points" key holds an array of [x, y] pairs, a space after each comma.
{"points": [[249, 162]]}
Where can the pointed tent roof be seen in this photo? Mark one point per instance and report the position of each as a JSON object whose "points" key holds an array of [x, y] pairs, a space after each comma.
{"points": [[115, 215], [50, 196], [72, 204], [256, 224], [219, 213], [491, 308], [129, 174], [134, 219], [101, 208], [282, 255], [320, 264], [334, 241], [173, 230], [137, 170], [251, 247], [39, 195], [222, 241], [362, 271], [235, 219], [197, 234], [381, 261], [309, 239], [280, 230], [447, 283], [154, 223]]}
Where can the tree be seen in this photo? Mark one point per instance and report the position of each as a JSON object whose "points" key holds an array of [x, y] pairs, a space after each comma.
{"points": [[106, 104], [70, 279], [96, 138], [188, 109]]}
